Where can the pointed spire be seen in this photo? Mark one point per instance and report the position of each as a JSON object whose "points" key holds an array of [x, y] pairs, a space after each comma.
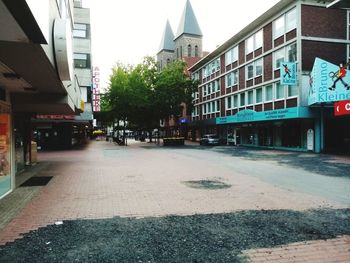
{"points": [[188, 23], [167, 42]]}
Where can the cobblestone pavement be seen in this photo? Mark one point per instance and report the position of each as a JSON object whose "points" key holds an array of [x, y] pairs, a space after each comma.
{"points": [[142, 180]]}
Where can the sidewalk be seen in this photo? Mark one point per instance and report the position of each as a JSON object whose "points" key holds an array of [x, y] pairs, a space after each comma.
{"points": [[144, 180]]}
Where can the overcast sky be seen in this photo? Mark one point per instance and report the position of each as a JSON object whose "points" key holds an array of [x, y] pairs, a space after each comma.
{"points": [[128, 30]]}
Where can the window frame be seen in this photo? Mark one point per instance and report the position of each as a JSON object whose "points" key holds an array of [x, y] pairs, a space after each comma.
{"points": [[265, 93]]}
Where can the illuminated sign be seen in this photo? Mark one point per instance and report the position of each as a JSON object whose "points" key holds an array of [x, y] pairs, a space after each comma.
{"points": [[342, 108], [328, 83], [288, 73]]}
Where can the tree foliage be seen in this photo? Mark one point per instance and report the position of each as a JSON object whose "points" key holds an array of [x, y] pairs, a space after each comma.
{"points": [[144, 95]]}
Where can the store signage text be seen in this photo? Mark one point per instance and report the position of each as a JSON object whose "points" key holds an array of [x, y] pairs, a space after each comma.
{"points": [[328, 83], [288, 73], [251, 115]]}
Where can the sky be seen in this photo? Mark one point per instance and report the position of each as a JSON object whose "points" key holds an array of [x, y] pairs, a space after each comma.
{"points": [[128, 30]]}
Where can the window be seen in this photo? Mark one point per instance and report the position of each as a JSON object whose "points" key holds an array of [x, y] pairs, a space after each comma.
{"points": [[235, 54], [217, 85], [180, 51], [250, 45], [217, 105], [234, 77], [204, 108], [258, 95], [196, 51], [278, 27], [81, 60], [279, 91], [291, 20], [228, 103], [292, 52], [278, 58], [268, 93], [229, 80], [292, 91], [209, 107], [189, 50], [80, 30], [258, 39], [228, 57], [250, 71], [242, 102], [235, 101], [258, 67], [250, 97]]}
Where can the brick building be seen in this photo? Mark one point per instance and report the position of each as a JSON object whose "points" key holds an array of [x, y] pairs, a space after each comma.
{"points": [[240, 92]]}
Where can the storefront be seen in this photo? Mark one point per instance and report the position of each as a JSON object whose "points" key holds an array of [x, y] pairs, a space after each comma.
{"points": [[5, 150], [285, 128]]}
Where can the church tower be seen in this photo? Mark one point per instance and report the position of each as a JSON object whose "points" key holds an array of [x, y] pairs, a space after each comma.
{"points": [[188, 39], [166, 51]]}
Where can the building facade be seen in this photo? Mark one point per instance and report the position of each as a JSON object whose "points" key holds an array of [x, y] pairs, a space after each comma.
{"points": [[241, 94], [187, 46], [36, 76], [62, 131]]}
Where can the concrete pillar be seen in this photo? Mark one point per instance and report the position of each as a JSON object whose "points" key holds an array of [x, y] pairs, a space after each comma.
{"points": [[319, 132]]}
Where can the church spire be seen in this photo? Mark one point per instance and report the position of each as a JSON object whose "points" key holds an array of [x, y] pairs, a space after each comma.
{"points": [[167, 42], [188, 23]]}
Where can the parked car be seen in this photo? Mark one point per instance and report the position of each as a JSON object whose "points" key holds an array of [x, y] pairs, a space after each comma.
{"points": [[209, 139]]}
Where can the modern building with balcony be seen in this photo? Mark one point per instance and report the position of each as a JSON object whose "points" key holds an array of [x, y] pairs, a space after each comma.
{"points": [[242, 92], [36, 76]]}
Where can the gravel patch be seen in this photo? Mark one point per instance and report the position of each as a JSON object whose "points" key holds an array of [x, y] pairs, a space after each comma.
{"points": [[207, 184], [196, 238]]}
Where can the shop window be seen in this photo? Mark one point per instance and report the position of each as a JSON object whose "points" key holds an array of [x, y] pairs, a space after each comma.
{"points": [[279, 91], [268, 93], [292, 91], [5, 165], [258, 95]]}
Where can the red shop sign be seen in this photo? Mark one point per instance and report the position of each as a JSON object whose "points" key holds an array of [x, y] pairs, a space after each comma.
{"points": [[342, 107]]}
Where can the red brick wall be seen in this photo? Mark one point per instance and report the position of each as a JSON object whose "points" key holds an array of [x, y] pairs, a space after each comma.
{"points": [[241, 53], [241, 73], [323, 22], [268, 67], [332, 52], [267, 37]]}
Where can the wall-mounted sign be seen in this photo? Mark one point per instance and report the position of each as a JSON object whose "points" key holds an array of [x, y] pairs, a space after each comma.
{"points": [[252, 116], [328, 82], [288, 73], [342, 108], [96, 104]]}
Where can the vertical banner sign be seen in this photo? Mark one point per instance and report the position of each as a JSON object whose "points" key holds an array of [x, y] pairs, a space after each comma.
{"points": [[288, 73], [96, 104]]}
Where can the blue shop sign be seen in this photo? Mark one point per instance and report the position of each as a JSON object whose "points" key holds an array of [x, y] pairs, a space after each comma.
{"points": [[288, 73], [252, 116], [328, 82]]}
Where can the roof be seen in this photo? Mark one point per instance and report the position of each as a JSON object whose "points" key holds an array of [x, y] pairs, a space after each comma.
{"points": [[339, 4], [188, 23], [243, 33], [167, 42]]}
